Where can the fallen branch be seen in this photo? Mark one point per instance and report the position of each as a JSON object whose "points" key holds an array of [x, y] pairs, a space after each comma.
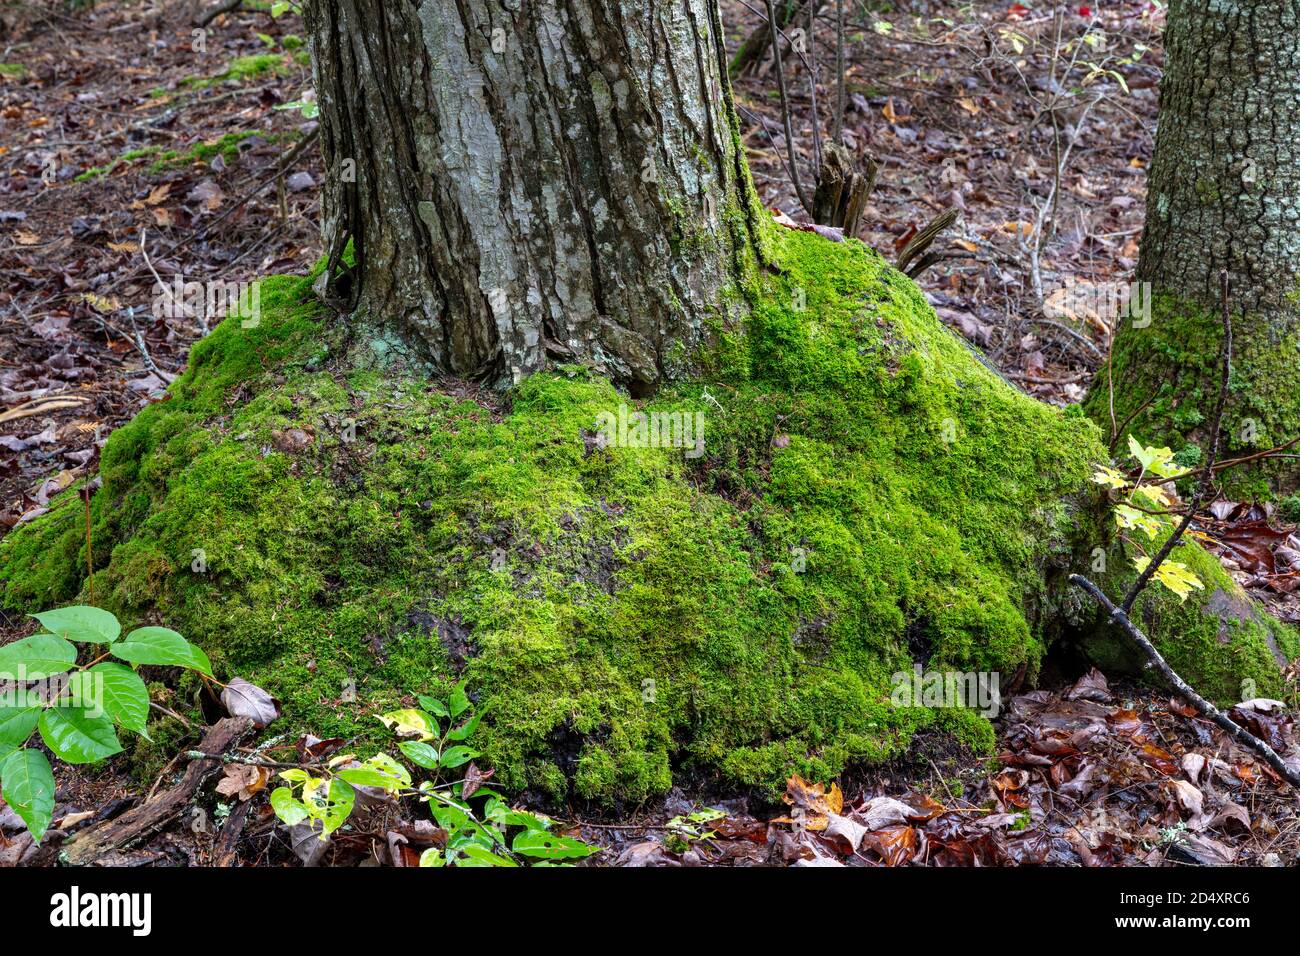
{"points": [[1203, 706], [92, 843], [225, 6]]}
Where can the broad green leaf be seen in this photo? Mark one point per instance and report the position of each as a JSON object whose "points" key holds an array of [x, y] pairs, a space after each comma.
{"points": [[1158, 461], [160, 645], [467, 728], [28, 787], [287, 807], [433, 705], [18, 719], [455, 756], [125, 698], [410, 723], [380, 770], [76, 736], [86, 625], [1129, 517], [476, 855], [432, 857], [420, 754], [459, 702], [550, 846], [36, 657], [295, 776], [330, 805]]}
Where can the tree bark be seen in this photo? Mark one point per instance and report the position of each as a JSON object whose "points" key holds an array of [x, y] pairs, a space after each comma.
{"points": [[1224, 191], [531, 183], [1223, 194]]}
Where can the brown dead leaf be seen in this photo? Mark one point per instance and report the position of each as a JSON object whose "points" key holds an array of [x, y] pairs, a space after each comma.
{"points": [[242, 780]]}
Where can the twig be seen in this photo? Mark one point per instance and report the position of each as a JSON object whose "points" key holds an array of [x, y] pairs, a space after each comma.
{"points": [[841, 84], [804, 199], [189, 313], [1203, 706], [167, 377], [1077, 336]]}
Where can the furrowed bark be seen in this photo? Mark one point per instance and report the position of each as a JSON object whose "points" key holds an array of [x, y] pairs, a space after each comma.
{"points": [[532, 183]]}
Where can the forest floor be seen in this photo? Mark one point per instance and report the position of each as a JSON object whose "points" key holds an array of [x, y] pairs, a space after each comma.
{"points": [[126, 150]]}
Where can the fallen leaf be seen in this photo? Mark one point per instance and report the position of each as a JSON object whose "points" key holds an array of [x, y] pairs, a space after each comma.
{"points": [[242, 699]]}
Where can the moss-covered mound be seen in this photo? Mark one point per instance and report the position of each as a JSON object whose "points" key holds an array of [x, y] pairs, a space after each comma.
{"points": [[1166, 382], [868, 495]]}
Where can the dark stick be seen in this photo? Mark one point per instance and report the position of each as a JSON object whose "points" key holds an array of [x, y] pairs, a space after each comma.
{"points": [[225, 6], [1203, 706]]}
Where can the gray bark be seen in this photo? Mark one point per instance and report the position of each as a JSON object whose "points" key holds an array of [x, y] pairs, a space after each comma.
{"points": [[536, 181], [1224, 191]]}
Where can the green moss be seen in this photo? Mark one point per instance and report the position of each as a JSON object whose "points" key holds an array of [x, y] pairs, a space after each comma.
{"points": [[240, 69], [14, 70], [227, 146], [1166, 379], [1227, 647], [869, 495]]}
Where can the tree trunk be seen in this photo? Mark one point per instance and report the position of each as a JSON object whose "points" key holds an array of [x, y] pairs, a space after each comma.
{"points": [[530, 183], [1224, 194]]}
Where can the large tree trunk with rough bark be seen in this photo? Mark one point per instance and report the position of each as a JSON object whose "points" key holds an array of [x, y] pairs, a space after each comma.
{"points": [[532, 183], [1224, 194]]}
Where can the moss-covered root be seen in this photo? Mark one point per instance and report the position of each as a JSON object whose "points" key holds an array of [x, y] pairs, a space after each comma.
{"points": [[1218, 639], [866, 495], [1166, 381]]}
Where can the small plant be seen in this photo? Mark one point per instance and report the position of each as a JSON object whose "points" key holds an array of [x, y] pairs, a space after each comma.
{"points": [[682, 831], [324, 796], [1143, 509], [76, 708]]}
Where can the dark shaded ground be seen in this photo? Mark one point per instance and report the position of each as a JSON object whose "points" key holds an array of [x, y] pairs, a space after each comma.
{"points": [[115, 131]]}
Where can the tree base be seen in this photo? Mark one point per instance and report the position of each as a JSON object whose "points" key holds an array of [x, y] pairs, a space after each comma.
{"points": [[1166, 377], [868, 496]]}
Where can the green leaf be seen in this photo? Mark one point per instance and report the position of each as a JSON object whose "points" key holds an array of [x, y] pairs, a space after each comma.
{"points": [[287, 807], [161, 645], [125, 698], [459, 702], [77, 737], [550, 846], [455, 756], [18, 720], [28, 787], [477, 855], [410, 722], [280, 9], [467, 728], [432, 857], [380, 770], [36, 657], [420, 754], [331, 807], [87, 625], [433, 705]]}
